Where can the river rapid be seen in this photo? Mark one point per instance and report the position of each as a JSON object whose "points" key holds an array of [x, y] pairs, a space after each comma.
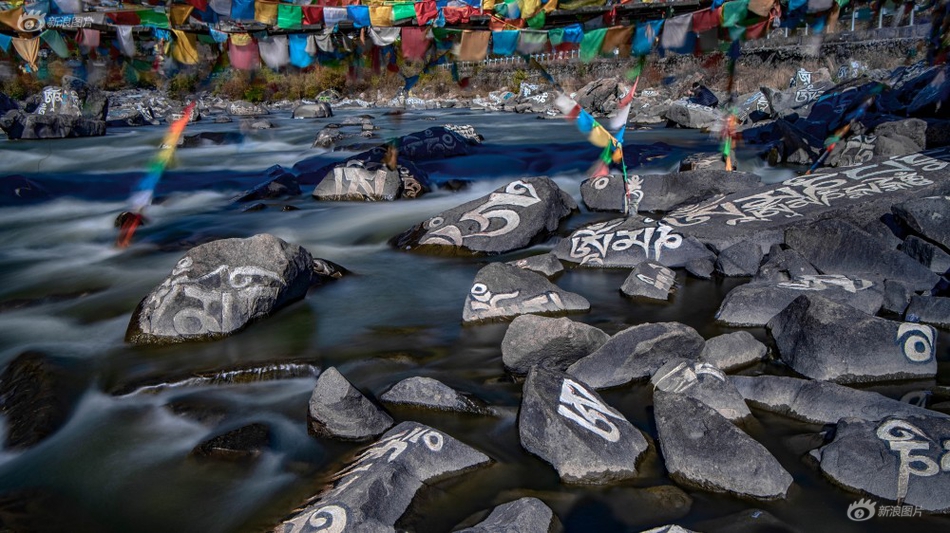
{"points": [[122, 461]]}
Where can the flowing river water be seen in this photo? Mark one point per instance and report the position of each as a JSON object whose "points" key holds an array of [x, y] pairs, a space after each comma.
{"points": [[123, 462]]}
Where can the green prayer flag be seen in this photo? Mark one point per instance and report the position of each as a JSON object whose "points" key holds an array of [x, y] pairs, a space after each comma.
{"points": [[147, 17], [556, 36], [55, 42], [591, 44], [206, 39], [537, 21], [404, 10], [734, 12], [289, 16]]}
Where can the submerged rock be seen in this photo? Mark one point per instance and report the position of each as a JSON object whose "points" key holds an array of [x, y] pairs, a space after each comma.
{"points": [[504, 291], [821, 402], [338, 409], [527, 515], [240, 444], [897, 459], [219, 288], [511, 217], [637, 353], [704, 382], [733, 350], [377, 488], [553, 342], [649, 280], [568, 425], [754, 304], [627, 242], [33, 399], [431, 393], [703, 449], [242, 374], [825, 340], [279, 183]]}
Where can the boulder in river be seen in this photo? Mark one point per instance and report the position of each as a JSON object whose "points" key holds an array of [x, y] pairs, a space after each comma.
{"points": [[838, 247], [733, 350], [219, 288], [637, 353], [279, 183], [691, 115], [553, 342], [649, 280], [755, 303], [929, 310], [566, 423], [359, 181], [512, 217], [377, 488], [545, 264], [665, 192], [504, 291], [241, 444], [601, 97], [34, 399], [821, 339], [526, 515], [821, 402], [627, 242], [900, 458], [605, 193], [338, 409], [318, 110], [705, 450], [241, 108], [704, 382], [430, 393]]}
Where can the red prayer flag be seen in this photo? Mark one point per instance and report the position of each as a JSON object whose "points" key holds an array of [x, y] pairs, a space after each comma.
{"points": [[414, 42], [759, 30], [124, 18], [457, 15], [426, 11], [312, 15], [200, 5], [705, 20]]}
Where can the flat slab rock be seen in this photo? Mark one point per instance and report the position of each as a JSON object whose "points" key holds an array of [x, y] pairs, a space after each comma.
{"points": [[400, 463], [504, 291], [637, 353], [649, 280], [338, 409], [726, 219], [525, 515], [929, 310], [705, 450], [733, 350], [704, 382], [755, 303], [897, 459], [554, 342], [821, 339], [219, 288], [430, 393], [511, 217], [664, 192], [545, 264], [821, 402], [627, 242], [564, 422], [929, 217]]}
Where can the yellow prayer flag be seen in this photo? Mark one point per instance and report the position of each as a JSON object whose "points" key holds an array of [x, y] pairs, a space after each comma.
{"points": [[186, 48], [179, 14], [29, 50], [265, 12], [381, 15]]}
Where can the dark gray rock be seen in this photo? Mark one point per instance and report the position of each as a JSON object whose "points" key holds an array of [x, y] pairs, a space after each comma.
{"points": [[527, 515], [755, 303], [439, 142], [784, 265], [649, 280], [733, 350], [913, 129], [929, 310], [703, 161], [568, 425], [318, 110], [820, 402], [884, 232], [694, 116], [511, 217], [359, 181], [927, 254], [241, 444], [379, 485], [232, 375], [635, 507], [259, 124], [211, 138], [20, 125], [545, 264], [504, 291], [605, 193], [553, 342], [637, 353], [701, 268], [703, 449], [665, 192], [338, 409], [280, 183], [896, 297], [796, 101], [897, 459], [601, 97], [929, 217], [33, 399], [821, 339], [430, 393], [740, 259], [746, 521], [627, 242], [241, 108], [930, 101], [704, 382], [219, 288], [838, 247]]}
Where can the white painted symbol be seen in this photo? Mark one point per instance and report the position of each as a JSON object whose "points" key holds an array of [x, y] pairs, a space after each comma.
{"points": [[916, 342], [580, 405]]}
